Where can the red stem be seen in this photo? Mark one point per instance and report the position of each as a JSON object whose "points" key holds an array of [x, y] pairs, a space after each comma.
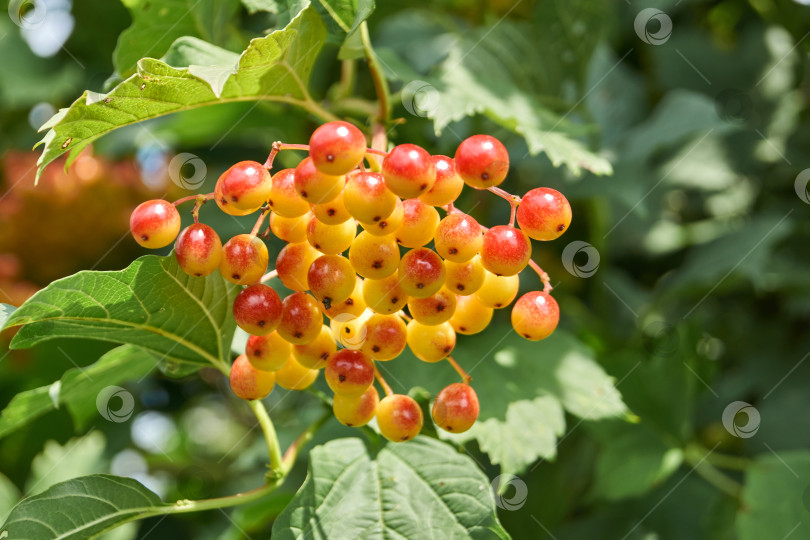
{"points": [[382, 382], [203, 198], [464, 375], [265, 211], [543, 276]]}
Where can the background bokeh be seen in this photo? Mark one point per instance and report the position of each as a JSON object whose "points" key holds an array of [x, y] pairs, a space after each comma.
{"points": [[686, 271]]}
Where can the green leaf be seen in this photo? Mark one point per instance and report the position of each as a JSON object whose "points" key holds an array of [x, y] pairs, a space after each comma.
{"points": [[775, 497], [632, 461], [155, 25], [78, 389], [9, 495], [397, 494], [152, 304], [81, 508], [275, 67], [6, 311], [56, 463]]}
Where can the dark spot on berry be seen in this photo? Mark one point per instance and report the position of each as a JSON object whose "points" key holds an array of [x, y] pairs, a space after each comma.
{"points": [[257, 352], [197, 274], [375, 348], [404, 438], [298, 335], [527, 336], [383, 224], [304, 194], [423, 187], [498, 305], [341, 377], [261, 323], [144, 237], [347, 330], [236, 276], [462, 328], [317, 246], [560, 227], [324, 356], [224, 201], [349, 302], [377, 264], [449, 428], [327, 302], [330, 158], [394, 300], [270, 202], [350, 425], [452, 251], [330, 212], [484, 176], [460, 287], [419, 285], [375, 219], [234, 198], [440, 307], [398, 241], [448, 349]]}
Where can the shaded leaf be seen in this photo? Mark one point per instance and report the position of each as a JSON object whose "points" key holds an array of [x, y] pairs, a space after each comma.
{"points": [[56, 462]]}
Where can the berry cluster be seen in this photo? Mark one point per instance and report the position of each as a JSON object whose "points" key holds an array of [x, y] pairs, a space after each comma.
{"points": [[316, 208]]}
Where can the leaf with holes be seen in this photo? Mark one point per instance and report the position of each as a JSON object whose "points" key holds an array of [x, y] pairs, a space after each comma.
{"points": [[398, 493], [152, 304], [276, 67]]}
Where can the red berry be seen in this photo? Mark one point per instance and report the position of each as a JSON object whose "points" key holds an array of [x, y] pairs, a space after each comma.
{"points": [[482, 161], [249, 383], [154, 224], [535, 315], [349, 372], [448, 184], [367, 198], [257, 309], [283, 199], [421, 272], [331, 279], [337, 147], [198, 250], [301, 319], [399, 417], [244, 259], [245, 186], [408, 171], [314, 186], [456, 408], [458, 237], [505, 251], [544, 214]]}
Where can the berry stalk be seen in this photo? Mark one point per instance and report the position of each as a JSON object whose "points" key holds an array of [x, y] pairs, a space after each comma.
{"points": [[464, 375], [547, 288], [381, 380], [277, 470], [291, 454]]}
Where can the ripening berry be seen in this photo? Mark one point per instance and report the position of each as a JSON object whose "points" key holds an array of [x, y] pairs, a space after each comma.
{"points": [[535, 315], [387, 225], [314, 186], [354, 305], [225, 205], [198, 250], [356, 411], [283, 199], [333, 212], [331, 279], [349, 373], [245, 187], [419, 222], [350, 331], [257, 309], [313, 355], [292, 265], [471, 316], [244, 259], [294, 376], [505, 251], [384, 296], [331, 239], [367, 198], [465, 278], [421, 272], [291, 230], [544, 214], [434, 309], [498, 291], [301, 319], [154, 224], [337, 147], [269, 352], [458, 237], [482, 161], [456, 408], [431, 343], [249, 383], [374, 257], [386, 337], [448, 184], [399, 417], [408, 171]]}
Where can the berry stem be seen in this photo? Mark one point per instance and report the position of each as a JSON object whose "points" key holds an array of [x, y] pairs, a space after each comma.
{"points": [[258, 225], [385, 386], [202, 198], [380, 83], [269, 275], [513, 201], [274, 451], [547, 288], [464, 375], [291, 454]]}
